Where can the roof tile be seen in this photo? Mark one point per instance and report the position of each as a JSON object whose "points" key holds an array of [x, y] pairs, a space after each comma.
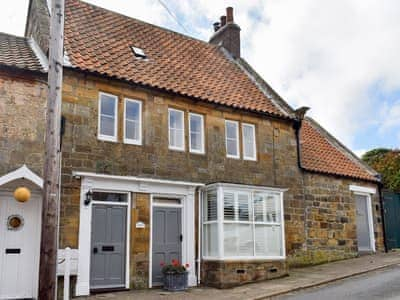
{"points": [[98, 40], [320, 152]]}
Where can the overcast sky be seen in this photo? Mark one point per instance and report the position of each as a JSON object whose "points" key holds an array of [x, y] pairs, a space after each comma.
{"points": [[339, 57]]}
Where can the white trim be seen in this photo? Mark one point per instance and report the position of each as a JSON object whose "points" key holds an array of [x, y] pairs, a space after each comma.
{"points": [[241, 187], [250, 190], [93, 181], [183, 130], [102, 137], [187, 228], [22, 173], [134, 178], [139, 140], [128, 226], [370, 221], [39, 54], [254, 157], [202, 150], [237, 139], [362, 189]]}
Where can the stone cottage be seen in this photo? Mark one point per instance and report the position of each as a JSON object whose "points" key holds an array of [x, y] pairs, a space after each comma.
{"points": [[175, 148]]}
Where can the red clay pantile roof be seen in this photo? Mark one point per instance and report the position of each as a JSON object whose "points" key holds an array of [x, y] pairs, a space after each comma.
{"points": [[321, 152], [16, 52], [98, 40]]}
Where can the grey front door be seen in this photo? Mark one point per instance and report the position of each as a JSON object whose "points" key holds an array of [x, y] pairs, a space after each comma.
{"points": [[107, 267], [363, 230], [167, 239]]}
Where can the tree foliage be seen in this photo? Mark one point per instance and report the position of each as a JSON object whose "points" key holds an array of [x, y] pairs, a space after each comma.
{"points": [[387, 163]]}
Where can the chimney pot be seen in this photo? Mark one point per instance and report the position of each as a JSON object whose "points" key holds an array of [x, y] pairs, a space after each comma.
{"points": [[223, 21], [229, 14], [217, 25]]}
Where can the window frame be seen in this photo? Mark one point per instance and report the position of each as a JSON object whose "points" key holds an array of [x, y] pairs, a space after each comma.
{"points": [[202, 150], [133, 141], [252, 158], [183, 130], [237, 139], [220, 189], [103, 137]]}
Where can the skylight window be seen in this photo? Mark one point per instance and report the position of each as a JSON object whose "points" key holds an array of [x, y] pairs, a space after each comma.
{"points": [[139, 53]]}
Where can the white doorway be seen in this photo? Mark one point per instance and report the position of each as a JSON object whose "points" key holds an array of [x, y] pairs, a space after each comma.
{"points": [[19, 246]]}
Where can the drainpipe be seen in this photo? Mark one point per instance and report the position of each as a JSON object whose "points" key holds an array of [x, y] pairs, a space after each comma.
{"points": [[380, 185], [199, 215]]}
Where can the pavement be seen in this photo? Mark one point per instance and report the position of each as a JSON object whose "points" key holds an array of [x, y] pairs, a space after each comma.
{"points": [[299, 279], [379, 284]]}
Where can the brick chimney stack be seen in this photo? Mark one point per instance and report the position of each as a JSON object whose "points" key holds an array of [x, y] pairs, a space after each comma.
{"points": [[227, 34]]}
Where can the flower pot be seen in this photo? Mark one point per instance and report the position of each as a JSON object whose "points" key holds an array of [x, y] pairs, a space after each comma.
{"points": [[175, 281]]}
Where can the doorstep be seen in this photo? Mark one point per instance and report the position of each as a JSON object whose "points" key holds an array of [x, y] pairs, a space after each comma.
{"points": [[299, 278]]}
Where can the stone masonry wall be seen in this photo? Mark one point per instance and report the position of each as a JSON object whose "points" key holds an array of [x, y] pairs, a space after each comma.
{"points": [[276, 164], [140, 241], [22, 121], [330, 214]]}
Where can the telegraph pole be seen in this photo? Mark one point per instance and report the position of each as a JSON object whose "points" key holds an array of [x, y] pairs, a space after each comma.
{"points": [[51, 171]]}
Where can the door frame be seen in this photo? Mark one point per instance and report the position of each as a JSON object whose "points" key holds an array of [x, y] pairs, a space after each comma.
{"points": [[370, 221], [128, 227], [132, 184], [183, 231], [37, 194]]}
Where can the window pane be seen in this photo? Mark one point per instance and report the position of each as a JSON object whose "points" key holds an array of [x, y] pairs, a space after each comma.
{"points": [[195, 123], [268, 240], [248, 141], [195, 141], [132, 130], [238, 240], [107, 125], [196, 132], [231, 147], [107, 105], [113, 197], [231, 130], [229, 206], [210, 212], [267, 207], [132, 110], [210, 240], [243, 207], [176, 133], [176, 119]]}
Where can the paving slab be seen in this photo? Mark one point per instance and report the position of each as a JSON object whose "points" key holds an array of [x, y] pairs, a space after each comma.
{"points": [[299, 278]]}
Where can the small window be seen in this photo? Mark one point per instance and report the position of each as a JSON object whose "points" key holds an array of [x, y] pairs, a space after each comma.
{"points": [[133, 122], [109, 197], [232, 139], [138, 52], [176, 129], [249, 142], [196, 133], [107, 117]]}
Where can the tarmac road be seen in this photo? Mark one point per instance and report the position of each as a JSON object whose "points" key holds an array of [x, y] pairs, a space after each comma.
{"points": [[382, 284]]}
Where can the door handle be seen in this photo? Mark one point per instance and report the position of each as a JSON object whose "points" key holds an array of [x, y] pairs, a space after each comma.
{"points": [[95, 250], [181, 237]]}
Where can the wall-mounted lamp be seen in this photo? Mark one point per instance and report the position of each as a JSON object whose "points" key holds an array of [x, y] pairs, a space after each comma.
{"points": [[89, 197]]}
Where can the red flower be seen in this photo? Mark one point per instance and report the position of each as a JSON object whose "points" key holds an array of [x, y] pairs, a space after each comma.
{"points": [[187, 265], [162, 264]]}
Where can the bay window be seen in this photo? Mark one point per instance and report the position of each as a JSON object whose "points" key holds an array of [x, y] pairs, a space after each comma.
{"points": [[243, 222]]}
